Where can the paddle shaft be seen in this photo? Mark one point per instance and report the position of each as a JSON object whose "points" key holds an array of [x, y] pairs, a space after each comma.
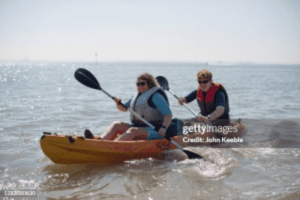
{"points": [[183, 103]]}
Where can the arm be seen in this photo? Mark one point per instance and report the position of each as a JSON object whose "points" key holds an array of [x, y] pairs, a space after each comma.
{"points": [[167, 120], [189, 98], [220, 105], [121, 108], [214, 115], [217, 113], [163, 107]]}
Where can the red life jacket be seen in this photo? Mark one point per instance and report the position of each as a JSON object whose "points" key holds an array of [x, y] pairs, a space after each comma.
{"points": [[207, 105]]}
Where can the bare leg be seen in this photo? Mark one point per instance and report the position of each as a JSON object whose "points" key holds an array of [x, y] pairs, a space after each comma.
{"points": [[114, 129], [134, 133]]}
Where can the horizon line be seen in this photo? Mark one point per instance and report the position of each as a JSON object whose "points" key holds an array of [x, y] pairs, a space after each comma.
{"points": [[218, 62]]}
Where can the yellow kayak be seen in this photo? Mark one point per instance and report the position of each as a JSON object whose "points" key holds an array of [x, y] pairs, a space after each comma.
{"points": [[62, 149]]}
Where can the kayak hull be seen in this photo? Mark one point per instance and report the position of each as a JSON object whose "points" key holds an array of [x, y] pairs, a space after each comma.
{"points": [[75, 150], [63, 149]]}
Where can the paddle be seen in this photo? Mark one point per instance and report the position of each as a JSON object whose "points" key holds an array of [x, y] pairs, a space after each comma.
{"points": [[88, 79], [163, 82]]}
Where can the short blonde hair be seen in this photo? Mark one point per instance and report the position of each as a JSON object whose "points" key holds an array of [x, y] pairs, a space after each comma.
{"points": [[204, 74], [149, 78]]}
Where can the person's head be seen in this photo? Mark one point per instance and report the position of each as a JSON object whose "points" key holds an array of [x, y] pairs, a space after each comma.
{"points": [[145, 81], [204, 78]]}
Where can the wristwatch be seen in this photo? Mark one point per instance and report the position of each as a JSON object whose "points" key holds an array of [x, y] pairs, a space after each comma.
{"points": [[208, 116]]}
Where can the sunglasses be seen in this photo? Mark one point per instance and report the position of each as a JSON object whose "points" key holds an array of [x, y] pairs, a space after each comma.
{"points": [[141, 84], [203, 82]]}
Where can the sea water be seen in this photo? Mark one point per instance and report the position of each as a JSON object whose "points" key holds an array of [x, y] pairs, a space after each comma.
{"points": [[44, 96]]}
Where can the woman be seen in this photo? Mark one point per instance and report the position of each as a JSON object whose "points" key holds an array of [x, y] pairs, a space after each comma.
{"points": [[151, 103], [212, 100]]}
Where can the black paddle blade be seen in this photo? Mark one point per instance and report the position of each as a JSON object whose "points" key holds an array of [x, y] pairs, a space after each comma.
{"points": [[87, 78], [163, 82], [192, 155]]}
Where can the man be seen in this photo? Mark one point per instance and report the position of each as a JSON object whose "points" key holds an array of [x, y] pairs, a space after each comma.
{"points": [[212, 100]]}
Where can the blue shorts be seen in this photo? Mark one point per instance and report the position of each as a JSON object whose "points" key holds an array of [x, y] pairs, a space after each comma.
{"points": [[153, 135]]}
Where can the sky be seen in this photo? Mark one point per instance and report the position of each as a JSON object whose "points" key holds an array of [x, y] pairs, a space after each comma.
{"points": [[258, 31]]}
